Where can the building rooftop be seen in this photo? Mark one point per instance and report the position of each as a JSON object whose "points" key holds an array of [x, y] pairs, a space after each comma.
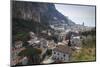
{"points": [[63, 49], [18, 42]]}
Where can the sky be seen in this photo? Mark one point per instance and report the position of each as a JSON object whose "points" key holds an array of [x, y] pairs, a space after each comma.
{"points": [[78, 14]]}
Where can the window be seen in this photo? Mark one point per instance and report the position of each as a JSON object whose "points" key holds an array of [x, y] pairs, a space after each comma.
{"points": [[54, 58], [64, 55], [58, 53], [61, 58], [58, 58], [54, 52]]}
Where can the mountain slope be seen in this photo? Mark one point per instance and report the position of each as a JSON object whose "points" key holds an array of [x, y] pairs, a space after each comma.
{"points": [[33, 16]]}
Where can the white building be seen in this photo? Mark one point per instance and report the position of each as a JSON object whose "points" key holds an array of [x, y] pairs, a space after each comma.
{"points": [[33, 41], [24, 60], [51, 44], [38, 43], [18, 44], [15, 57], [61, 53], [75, 42], [43, 43], [32, 34]]}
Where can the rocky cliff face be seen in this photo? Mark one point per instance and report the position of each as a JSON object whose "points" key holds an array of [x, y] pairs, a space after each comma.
{"points": [[33, 16], [39, 12]]}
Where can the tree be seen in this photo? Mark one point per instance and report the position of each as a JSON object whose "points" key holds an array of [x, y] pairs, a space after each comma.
{"points": [[33, 55]]}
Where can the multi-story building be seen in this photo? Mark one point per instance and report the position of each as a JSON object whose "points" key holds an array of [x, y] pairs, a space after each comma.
{"points": [[61, 53]]}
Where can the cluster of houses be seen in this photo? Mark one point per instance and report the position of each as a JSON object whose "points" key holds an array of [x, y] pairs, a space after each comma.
{"points": [[18, 47], [61, 50], [61, 53], [70, 41]]}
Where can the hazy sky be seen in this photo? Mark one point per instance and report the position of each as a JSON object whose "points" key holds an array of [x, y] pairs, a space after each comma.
{"points": [[78, 14]]}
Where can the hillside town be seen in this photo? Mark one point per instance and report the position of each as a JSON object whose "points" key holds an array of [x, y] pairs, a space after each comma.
{"points": [[41, 34], [61, 45]]}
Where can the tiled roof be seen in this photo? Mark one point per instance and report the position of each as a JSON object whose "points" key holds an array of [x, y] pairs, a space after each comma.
{"points": [[18, 42], [63, 49]]}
